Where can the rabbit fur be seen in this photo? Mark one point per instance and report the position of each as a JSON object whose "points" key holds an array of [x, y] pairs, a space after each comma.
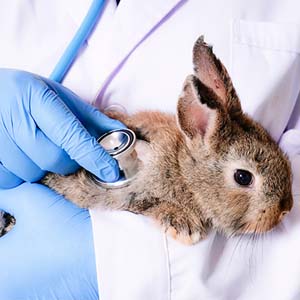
{"points": [[186, 182]]}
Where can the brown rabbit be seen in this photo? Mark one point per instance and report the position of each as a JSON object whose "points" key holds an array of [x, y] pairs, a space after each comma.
{"points": [[210, 166]]}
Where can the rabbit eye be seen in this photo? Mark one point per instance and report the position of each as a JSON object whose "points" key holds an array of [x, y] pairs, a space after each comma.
{"points": [[243, 177]]}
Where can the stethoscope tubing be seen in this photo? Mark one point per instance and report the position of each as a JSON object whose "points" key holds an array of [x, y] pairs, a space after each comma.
{"points": [[62, 67]]}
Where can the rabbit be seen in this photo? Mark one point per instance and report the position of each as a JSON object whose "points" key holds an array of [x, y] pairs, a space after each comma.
{"points": [[210, 166]]}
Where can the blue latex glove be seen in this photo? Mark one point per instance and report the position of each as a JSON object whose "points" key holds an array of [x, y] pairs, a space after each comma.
{"points": [[49, 253], [46, 127]]}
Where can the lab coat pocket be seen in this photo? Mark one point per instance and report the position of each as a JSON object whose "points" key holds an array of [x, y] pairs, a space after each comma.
{"points": [[265, 69]]}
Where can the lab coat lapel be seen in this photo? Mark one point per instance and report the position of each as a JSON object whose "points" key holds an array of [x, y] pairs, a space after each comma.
{"points": [[134, 22], [125, 29], [78, 11], [136, 19]]}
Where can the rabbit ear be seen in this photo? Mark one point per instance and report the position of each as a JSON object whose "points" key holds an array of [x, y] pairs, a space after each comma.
{"points": [[212, 73], [198, 109]]}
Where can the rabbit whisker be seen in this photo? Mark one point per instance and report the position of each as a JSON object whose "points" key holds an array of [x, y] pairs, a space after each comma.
{"points": [[239, 239], [253, 241]]}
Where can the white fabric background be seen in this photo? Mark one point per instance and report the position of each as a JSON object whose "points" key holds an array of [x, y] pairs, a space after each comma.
{"points": [[259, 42]]}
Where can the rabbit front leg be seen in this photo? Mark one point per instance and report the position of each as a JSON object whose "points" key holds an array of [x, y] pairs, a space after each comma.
{"points": [[76, 187], [178, 222], [181, 223], [85, 193]]}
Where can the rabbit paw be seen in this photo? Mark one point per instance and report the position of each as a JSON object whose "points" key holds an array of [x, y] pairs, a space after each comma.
{"points": [[182, 226], [7, 222], [184, 237]]}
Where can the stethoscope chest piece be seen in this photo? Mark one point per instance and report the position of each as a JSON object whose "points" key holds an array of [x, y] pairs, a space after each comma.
{"points": [[120, 145]]}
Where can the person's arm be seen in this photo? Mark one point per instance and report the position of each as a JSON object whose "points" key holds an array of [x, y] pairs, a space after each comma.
{"points": [[45, 127], [49, 253]]}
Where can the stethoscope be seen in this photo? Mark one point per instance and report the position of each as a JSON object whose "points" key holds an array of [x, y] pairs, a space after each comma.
{"points": [[65, 62], [118, 143]]}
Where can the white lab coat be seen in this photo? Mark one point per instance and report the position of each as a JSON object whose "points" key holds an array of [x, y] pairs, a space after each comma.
{"points": [[138, 56]]}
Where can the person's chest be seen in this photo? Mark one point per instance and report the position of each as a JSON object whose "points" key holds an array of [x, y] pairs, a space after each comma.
{"points": [[140, 52], [149, 54]]}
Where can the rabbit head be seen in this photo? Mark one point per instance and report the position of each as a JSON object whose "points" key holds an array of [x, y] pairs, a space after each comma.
{"points": [[240, 177]]}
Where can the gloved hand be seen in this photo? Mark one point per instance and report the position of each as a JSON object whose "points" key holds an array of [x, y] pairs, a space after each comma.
{"points": [[46, 127], [49, 254]]}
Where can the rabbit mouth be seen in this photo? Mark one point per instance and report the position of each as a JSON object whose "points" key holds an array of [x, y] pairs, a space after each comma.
{"points": [[263, 224], [258, 227]]}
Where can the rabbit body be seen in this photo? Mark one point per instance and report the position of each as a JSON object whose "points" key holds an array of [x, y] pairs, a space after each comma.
{"points": [[209, 166], [159, 189]]}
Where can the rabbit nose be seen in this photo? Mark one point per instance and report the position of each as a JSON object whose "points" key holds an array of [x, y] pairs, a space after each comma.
{"points": [[286, 204]]}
